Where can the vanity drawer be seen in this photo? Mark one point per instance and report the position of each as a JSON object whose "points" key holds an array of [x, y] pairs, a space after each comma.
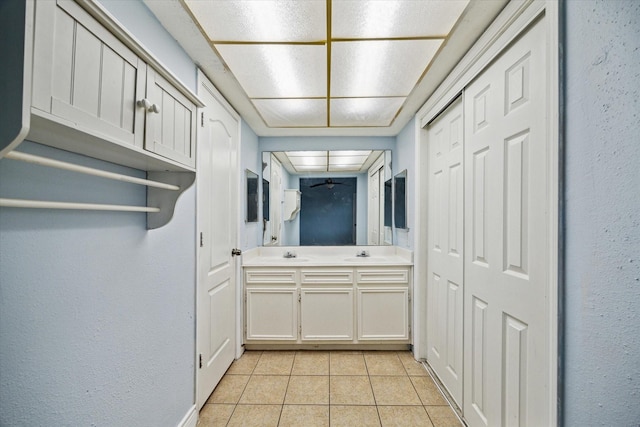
{"points": [[383, 276], [328, 276], [271, 277]]}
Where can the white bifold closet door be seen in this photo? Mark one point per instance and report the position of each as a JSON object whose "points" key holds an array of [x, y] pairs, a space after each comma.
{"points": [[445, 245], [506, 269]]}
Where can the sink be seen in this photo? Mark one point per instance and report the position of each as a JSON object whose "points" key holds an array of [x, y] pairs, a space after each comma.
{"points": [[296, 259], [367, 259]]}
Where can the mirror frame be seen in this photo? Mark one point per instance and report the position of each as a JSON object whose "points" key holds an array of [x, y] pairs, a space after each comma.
{"points": [[251, 197], [387, 233], [400, 200]]}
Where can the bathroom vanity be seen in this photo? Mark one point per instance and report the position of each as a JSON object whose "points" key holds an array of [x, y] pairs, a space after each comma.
{"points": [[327, 297]]}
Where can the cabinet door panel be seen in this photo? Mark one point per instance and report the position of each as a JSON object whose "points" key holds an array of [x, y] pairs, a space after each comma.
{"points": [[171, 131], [272, 314], [85, 76], [383, 314], [327, 314]]}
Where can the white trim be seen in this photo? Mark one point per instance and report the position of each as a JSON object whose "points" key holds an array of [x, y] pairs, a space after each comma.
{"points": [[190, 419]]}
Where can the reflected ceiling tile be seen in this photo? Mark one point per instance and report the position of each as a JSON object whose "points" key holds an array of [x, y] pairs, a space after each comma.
{"points": [[361, 112], [278, 71], [341, 153], [345, 168], [393, 18], [261, 20], [292, 112], [307, 154], [379, 68]]}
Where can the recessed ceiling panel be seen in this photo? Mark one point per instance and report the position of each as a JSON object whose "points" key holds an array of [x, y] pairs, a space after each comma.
{"points": [[379, 68], [292, 112], [278, 71], [261, 20], [393, 18], [364, 111]]}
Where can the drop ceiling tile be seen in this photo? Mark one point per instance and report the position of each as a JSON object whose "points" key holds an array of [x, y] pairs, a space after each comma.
{"points": [[364, 112], [292, 112], [278, 71], [393, 18], [261, 20], [379, 68]]}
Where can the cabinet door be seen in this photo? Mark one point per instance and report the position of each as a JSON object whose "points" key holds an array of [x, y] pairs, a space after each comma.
{"points": [[327, 314], [84, 76], [170, 122], [383, 313], [272, 314]]}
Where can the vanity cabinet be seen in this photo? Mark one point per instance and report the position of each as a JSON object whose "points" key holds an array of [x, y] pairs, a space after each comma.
{"points": [[271, 305], [327, 305], [94, 95], [383, 304]]}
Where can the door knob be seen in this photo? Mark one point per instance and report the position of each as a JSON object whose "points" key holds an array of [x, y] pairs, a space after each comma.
{"points": [[236, 252], [144, 103]]}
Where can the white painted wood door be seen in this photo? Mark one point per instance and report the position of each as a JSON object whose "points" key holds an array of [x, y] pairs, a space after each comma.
{"points": [[374, 212], [445, 243], [275, 202], [217, 174], [507, 318]]}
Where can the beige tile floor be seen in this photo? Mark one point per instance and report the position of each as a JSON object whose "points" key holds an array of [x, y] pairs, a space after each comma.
{"points": [[322, 388]]}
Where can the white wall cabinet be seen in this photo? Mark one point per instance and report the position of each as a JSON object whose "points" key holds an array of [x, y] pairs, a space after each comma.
{"points": [[334, 305], [171, 121], [94, 90]]}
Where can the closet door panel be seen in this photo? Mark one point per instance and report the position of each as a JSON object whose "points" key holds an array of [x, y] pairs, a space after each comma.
{"points": [[506, 318], [445, 286]]}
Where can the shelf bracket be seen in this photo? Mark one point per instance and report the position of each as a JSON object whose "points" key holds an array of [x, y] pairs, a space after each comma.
{"points": [[166, 200]]}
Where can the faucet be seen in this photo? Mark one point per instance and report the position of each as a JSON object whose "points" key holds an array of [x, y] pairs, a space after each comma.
{"points": [[362, 254], [289, 254]]}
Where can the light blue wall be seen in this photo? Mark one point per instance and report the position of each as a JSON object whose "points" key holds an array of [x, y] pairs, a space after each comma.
{"points": [[602, 231], [250, 232], [404, 158], [96, 313]]}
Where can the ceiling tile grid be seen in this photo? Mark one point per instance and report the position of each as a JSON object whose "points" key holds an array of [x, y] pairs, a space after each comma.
{"points": [[327, 63]]}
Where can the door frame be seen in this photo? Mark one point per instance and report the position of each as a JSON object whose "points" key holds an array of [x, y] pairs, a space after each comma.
{"points": [[510, 23], [203, 83]]}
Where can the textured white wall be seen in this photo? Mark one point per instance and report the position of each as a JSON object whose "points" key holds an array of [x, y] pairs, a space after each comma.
{"points": [[96, 312], [602, 148]]}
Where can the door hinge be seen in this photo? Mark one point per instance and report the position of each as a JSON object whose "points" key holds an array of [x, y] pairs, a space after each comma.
{"points": [[200, 361], [202, 119], [201, 240]]}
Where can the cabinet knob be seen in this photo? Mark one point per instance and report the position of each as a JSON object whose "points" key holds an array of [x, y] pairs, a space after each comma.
{"points": [[144, 103]]}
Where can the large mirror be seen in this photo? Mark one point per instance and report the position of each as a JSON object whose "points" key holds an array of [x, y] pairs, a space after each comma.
{"points": [[327, 198]]}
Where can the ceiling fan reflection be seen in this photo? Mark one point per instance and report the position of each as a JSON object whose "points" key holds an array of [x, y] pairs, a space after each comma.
{"points": [[329, 183]]}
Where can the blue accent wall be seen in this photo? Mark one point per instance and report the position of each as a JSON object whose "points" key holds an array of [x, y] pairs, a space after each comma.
{"points": [[602, 208], [97, 314]]}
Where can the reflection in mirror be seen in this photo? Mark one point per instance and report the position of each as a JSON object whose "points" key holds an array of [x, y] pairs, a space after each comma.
{"points": [[342, 197], [252, 196], [400, 200], [388, 202]]}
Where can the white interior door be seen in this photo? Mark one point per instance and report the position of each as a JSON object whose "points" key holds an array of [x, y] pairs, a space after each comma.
{"points": [[217, 215], [373, 208], [275, 202], [507, 311], [445, 284]]}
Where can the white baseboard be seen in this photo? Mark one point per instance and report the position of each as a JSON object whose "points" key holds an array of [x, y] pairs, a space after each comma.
{"points": [[190, 419]]}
